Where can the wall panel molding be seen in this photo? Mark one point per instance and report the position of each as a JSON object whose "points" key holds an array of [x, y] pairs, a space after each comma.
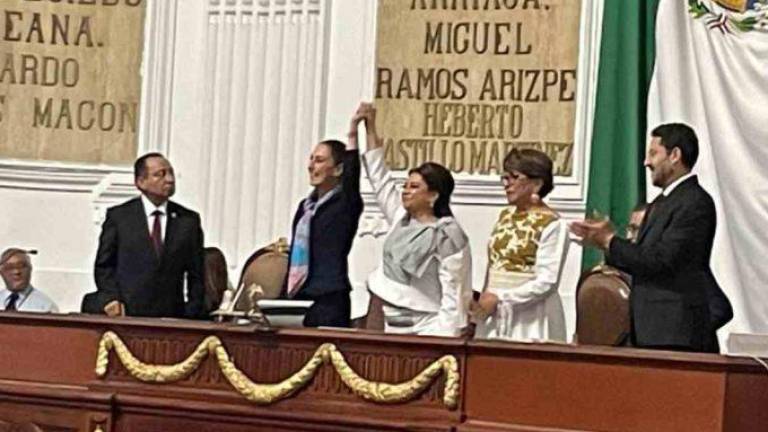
{"points": [[157, 76], [50, 177], [111, 184], [264, 79]]}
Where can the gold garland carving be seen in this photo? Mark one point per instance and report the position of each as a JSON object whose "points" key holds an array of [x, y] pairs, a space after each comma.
{"points": [[264, 394]]}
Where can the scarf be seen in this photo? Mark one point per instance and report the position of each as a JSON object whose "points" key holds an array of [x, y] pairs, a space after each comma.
{"points": [[411, 244], [299, 267]]}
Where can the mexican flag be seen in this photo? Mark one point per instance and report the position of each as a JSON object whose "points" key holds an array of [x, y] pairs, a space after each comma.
{"points": [[616, 178], [704, 63]]}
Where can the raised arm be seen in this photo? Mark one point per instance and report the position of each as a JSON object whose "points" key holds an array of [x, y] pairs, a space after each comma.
{"points": [[350, 178], [384, 187]]}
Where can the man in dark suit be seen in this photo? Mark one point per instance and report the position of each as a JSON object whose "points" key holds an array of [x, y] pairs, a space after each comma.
{"points": [[675, 301], [147, 245]]}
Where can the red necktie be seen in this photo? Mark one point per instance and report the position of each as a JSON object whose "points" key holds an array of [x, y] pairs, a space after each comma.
{"points": [[157, 233]]}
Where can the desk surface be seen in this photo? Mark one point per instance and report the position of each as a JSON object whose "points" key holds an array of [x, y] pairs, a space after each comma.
{"points": [[50, 359]]}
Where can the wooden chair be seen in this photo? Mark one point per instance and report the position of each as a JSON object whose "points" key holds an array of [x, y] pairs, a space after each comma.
{"points": [[216, 278], [267, 267], [602, 307]]}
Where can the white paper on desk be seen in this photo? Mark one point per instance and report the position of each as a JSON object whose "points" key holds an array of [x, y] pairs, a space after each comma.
{"points": [[285, 313], [266, 304]]}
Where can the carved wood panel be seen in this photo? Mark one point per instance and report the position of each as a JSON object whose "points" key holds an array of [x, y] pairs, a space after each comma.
{"points": [[263, 360], [39, 416], [149, 423]]}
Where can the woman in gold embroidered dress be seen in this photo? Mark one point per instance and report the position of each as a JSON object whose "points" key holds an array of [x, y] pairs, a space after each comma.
{"points": [[526, 253]]}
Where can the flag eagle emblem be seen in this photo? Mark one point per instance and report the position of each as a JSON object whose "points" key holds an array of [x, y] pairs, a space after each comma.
{"points": [[731, 16]]}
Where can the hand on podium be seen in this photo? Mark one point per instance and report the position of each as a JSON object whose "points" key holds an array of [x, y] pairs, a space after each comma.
{"points": [[484, 307], [114, 309]]}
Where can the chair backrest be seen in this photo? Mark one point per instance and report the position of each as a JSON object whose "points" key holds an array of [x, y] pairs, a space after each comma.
{"points": [[216, 278], [267, 268], [602, 307]]}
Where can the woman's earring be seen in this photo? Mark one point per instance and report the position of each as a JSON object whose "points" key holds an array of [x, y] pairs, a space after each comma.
{"points": [[536, 198]]}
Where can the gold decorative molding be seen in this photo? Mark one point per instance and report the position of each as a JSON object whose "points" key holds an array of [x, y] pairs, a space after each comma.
{"points": [[264, 394], [280, 246]]}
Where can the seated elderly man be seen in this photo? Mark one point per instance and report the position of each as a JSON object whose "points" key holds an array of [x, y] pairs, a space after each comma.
{"points": [[18, 294]]}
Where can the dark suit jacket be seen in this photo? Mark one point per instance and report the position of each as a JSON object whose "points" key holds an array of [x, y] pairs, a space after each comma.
{"points": [[720, 313], [332, 232], [128, 269], [675, 300]]}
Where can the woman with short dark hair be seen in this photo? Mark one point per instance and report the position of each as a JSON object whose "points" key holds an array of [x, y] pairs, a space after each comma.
{"points": [[526, 254], [425, 277]]}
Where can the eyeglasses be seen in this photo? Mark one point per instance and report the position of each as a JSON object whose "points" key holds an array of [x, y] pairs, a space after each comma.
{"points": [[508, 178]]}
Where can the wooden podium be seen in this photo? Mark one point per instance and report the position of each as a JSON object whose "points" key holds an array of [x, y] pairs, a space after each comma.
{"points": [[237, 378]]}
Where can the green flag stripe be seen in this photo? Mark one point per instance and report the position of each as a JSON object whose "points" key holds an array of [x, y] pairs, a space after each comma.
{"points": [[616, 174]]}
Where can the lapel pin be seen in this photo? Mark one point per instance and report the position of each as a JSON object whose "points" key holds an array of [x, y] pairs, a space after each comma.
{"points": [[173, 215]]}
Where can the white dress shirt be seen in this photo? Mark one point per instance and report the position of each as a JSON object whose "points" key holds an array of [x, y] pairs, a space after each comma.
{"points": [[668, 190], [150, 208], [30, 300]]}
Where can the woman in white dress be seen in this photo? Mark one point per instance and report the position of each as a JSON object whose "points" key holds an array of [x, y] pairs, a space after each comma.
{"points": [[424, 279], [526, 253]]}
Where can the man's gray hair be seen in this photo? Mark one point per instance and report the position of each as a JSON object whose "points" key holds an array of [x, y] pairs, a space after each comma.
{"points": [[12, 252]]}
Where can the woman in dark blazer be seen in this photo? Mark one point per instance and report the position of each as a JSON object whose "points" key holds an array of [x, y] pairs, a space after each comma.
{"points": [[323, 230]]}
